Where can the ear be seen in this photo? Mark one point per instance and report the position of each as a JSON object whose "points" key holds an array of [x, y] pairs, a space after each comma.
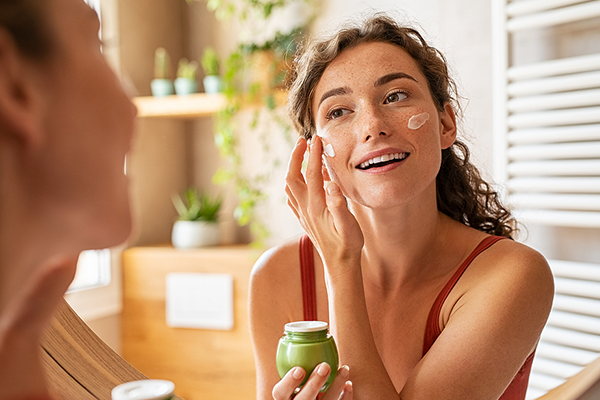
{"points": [[19, 105], [448, 126]]}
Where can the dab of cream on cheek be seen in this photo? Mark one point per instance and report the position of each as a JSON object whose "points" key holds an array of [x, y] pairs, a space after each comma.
{"points": [[417, 121], [327, 148]]}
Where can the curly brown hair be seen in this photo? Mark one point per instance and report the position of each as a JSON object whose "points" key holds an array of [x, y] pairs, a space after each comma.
{"points": [[27, 22], [462, 194]]}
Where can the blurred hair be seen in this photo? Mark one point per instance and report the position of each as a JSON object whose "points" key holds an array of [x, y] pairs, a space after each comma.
{"points": [[462, 194], [26, 21]]}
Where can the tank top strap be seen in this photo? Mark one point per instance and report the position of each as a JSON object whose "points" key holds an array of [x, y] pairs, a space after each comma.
{"points": [[307, 272], [432, 330]]}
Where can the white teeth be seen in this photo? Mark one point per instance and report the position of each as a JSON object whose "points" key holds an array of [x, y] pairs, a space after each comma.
{"points": [[383, 158]]}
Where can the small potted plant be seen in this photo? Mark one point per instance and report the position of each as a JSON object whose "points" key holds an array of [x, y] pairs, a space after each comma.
{"points": [[186, 77], [210, 64], [161, 85], [197, 225]]}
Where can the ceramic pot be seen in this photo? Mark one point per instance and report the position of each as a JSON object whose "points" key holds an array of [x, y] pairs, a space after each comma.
{"points": [[212, 84], [161, 87], [193, 234], [185, 86]]}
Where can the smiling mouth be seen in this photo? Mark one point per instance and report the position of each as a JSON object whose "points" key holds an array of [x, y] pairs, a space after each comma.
{"points": [[383, 160]]}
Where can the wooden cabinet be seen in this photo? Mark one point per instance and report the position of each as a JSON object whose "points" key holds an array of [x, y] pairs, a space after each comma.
{"points": [[204, 364]]}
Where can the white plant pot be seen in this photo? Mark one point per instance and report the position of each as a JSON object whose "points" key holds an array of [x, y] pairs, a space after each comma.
{"points": [[192, 234]]}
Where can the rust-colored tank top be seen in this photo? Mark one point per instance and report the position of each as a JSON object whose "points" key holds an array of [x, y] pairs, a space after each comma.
{"points": [[517, 388]]}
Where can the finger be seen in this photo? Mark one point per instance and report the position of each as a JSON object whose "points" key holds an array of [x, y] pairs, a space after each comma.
{"points": [[291, 198], [292, 206], [348, 392], [343, 219], [295, 185], [284, 389], [314, 172], [336, 389], [293, 175], [315, 382]]}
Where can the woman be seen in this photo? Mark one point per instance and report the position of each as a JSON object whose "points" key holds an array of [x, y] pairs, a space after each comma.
{"points": [[423, 297], [65, 126]]}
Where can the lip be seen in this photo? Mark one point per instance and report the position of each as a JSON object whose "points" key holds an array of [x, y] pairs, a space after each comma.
{"points": [[379, 153]]}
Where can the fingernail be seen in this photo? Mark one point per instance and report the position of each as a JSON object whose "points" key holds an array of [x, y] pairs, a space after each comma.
{"points": [[333, 188], [298, 373], [323, 369], [344, 372], [349, 387]]}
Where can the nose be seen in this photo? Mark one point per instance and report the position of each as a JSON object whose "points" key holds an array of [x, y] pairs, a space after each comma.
{"points": [[368, 137], [372, 124]]}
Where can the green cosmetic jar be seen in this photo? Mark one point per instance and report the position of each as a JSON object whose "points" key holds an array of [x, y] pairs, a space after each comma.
{"points": [[307, 344]]}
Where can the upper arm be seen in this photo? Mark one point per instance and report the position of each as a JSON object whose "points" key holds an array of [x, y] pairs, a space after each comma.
{"points": [[494, 323], [274, 300]]}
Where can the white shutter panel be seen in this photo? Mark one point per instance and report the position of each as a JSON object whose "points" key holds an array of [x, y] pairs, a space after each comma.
{"points": [[571, 338], [547, 158], [547, 120]]}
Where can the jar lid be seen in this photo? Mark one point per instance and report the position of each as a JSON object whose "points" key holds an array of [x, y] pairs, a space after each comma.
{"points": [[306, 326], [147, 389]]}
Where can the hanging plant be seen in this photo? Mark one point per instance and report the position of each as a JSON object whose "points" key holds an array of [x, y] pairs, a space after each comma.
{"points": [[254, 75]]}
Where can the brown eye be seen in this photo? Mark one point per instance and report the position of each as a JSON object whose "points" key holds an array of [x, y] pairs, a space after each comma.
{"points": [[336, 113], [394, 97]]}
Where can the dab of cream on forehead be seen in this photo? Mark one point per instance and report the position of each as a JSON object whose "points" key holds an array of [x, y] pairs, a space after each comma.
{"points": [[417, 121]]}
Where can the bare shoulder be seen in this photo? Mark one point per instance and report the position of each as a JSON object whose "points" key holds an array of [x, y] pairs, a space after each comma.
{"points": [[511, 272], [277, 265], [517, 260], [286, 252], [275, 298], [275, 285]]}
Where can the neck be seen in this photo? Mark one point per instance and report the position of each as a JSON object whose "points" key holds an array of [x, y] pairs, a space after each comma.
{"points": [[401, 243], [30, 234]]}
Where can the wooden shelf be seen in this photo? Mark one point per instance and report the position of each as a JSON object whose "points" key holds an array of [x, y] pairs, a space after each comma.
{"points": [[191, 106]]}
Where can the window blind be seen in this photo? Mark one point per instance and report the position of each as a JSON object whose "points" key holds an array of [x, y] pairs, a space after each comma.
{"points": [[571, 338], [547, 159], [547, 119]]}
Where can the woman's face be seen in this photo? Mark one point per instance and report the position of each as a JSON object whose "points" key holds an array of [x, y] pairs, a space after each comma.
{"points": [[363, 105], [88, 123]]}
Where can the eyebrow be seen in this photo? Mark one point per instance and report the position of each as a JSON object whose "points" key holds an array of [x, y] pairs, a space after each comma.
{"points": [[334, 92], [381, 81], [391, 77]]}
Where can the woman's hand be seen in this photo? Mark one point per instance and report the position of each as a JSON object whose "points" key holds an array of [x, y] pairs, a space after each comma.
{"points": [[322, 213], [340, 388]]}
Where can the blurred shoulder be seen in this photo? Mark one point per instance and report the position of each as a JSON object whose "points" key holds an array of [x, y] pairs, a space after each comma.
{"points": [[277, 262], [275, 293]]}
